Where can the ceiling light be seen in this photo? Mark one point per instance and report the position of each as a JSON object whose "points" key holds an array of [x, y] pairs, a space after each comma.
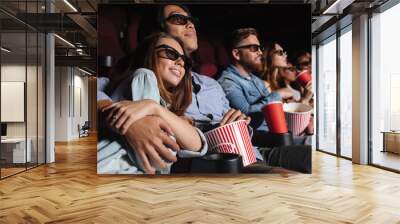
{"points": [[70, 5], [337, 7], [5, 50], [64, 40], [84, 71]]}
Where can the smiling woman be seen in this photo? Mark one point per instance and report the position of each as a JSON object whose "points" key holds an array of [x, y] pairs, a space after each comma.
{"points": [[164, 78]]}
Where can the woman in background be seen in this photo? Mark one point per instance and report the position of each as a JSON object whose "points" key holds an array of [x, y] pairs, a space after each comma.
{"points": [[286, 78], [274, 59]]}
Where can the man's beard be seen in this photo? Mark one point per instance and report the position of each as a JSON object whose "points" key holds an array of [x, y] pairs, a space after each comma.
{"points": [[253, 67]]}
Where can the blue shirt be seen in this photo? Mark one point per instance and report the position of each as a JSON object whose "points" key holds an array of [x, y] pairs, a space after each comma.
{"points": [[247, 94], [209, 103]]}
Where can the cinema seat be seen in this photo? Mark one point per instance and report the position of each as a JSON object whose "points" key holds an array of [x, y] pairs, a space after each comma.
{"points": [[109, 46], [110, 26], [132, 31], [221, 55], [208, 69], [206, 59]]}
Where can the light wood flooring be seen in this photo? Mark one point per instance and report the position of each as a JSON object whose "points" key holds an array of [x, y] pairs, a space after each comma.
{"points": [[70, 191]]}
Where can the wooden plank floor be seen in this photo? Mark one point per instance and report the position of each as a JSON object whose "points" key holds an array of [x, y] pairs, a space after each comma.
{"points": [[70, 191]]}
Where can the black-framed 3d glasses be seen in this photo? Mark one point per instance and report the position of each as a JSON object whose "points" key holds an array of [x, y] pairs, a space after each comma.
{"points": [[280, 52], [290, 69], [305, 63], [179, 19], [168, 52], [251, 47]]}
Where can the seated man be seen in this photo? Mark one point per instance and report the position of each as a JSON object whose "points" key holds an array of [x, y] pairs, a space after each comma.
{"points": [[244, 90]]}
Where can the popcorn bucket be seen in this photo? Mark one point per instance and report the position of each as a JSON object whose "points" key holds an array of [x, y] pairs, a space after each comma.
{"points": [[232, 138], [297, 116]]}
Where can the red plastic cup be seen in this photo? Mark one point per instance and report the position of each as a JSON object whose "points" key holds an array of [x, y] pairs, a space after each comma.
{"points": [[275, 117], [304, 77]]}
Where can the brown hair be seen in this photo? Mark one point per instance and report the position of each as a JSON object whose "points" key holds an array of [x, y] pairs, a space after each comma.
{"points": [[180, 97], [270, 72], [145, 56], [282, 82], [241, 34]]}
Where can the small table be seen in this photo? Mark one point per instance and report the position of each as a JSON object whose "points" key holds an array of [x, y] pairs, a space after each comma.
{"points": [[13, 150], [391, 141]]}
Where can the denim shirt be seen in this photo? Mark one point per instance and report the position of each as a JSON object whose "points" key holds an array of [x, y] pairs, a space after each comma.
{"points": [[247, 94]]}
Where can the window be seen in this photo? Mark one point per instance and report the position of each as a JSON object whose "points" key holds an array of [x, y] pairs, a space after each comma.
{"points": [[327, 96], [385, 88], [22, 101], [346, 92]]}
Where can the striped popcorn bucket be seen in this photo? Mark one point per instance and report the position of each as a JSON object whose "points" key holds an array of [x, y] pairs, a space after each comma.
{"points": [[232, 138], [297, 117]]}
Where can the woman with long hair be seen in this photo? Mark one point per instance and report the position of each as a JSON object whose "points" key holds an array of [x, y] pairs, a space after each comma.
{"points": [[161, 82], [274, 59]]}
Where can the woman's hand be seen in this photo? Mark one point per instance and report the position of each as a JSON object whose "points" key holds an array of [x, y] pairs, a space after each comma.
{"points": [[187, 119], [234, 115], [308, 94], [123, 114], [285, 93]]}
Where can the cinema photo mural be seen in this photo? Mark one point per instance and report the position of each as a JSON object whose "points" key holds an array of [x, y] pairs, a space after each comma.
{"points": [[204, 88]]}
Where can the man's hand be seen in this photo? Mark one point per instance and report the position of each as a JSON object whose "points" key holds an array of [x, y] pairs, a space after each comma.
{"points": [[121, 115], [101, 104], [149, 137], [234, 115]]}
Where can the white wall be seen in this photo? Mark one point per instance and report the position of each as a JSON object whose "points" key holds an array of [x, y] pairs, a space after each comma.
{"points": [[61, 104], [71, 94], [33, 126], [13, 73]]}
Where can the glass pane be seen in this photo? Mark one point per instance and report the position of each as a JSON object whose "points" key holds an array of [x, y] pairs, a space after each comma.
{"points": [[327, 97], [31, 97], [13, 86], [385, 85], [346, 94], [41, 98]]}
